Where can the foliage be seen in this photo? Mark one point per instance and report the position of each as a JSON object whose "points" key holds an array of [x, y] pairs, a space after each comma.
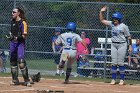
{"points": [[115, 1]]}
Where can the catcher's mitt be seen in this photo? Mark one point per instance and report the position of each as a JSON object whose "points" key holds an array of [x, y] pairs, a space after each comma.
{"points": [[36, 77], [10, 36]]}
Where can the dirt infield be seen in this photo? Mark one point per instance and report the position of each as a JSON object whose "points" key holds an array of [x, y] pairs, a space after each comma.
{"points": [[73, 87]]}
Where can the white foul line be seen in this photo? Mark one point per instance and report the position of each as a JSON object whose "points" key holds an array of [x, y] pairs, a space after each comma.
{"points": [[3, 83], [18, 90], [58, 86], [121, 91]]}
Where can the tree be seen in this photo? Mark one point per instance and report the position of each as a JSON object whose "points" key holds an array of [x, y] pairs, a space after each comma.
{"points": [[115, 1]]}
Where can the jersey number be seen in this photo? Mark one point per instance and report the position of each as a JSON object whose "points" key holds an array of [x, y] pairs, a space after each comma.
{"points": [[69, 41], [114, 34]]}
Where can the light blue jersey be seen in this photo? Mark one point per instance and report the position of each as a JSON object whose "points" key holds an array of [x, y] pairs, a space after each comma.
{"points": [[69, 40], [119, 33]]}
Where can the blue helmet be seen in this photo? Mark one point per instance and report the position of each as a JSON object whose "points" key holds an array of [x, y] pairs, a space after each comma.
{"points": [[71, 26], [117, 16]]}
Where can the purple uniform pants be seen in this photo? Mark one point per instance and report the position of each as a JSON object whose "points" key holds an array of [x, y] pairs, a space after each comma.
{"points": [[16, 51]]}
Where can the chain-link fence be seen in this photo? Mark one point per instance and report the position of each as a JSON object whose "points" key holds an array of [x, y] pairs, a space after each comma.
{"points": [[43, 17]]}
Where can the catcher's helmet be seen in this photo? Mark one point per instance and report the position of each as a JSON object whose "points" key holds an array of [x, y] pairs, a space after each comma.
{"points": [[117, 16], [71, 26]]}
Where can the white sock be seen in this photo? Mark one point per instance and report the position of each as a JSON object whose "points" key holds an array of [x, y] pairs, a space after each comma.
{"points": [[60, 71], [63, 71], [57, 71]]}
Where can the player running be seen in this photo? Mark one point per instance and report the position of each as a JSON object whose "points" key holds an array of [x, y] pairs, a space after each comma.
{"points": [[120, 35], [69, 40]]}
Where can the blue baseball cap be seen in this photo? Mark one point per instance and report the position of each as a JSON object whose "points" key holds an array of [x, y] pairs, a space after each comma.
{"points": [[57, 29]]}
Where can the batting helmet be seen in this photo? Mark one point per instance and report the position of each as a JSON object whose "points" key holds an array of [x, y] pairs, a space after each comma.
{"points": [[117, 16], [71, 26]]}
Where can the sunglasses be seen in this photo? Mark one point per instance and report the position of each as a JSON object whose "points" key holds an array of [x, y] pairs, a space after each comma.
{"points": [[14, 12]]}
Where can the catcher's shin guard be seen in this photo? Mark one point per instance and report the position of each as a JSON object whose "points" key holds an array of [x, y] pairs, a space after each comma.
{"points": [[24, 70], [14, 72]]}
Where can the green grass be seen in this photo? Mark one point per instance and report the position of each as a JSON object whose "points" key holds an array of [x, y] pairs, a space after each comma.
{"points": [[5, 74], [48, 64], [42, 64]]}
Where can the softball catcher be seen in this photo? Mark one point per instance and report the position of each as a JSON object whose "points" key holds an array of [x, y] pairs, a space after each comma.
{"points": [[17, 38], [120, 36], [69, 40]]}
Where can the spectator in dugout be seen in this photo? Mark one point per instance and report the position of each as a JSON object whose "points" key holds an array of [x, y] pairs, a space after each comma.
{"points": [[80, 51], [83, 63], [57, 49], [3, 60], [135, 55]]}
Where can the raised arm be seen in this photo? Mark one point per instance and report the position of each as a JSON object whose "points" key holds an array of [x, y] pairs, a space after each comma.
{"points": [[102, 20]]}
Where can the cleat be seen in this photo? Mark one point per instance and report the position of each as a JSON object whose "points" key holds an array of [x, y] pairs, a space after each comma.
{"points": [[63, 73], [28, 84], [14, 83], [121, 82], [113, 82], [66, 82], [57, 74]]}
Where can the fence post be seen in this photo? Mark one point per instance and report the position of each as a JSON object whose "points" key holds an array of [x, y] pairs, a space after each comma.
{"points": [[14, 3], [105, 52]]}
